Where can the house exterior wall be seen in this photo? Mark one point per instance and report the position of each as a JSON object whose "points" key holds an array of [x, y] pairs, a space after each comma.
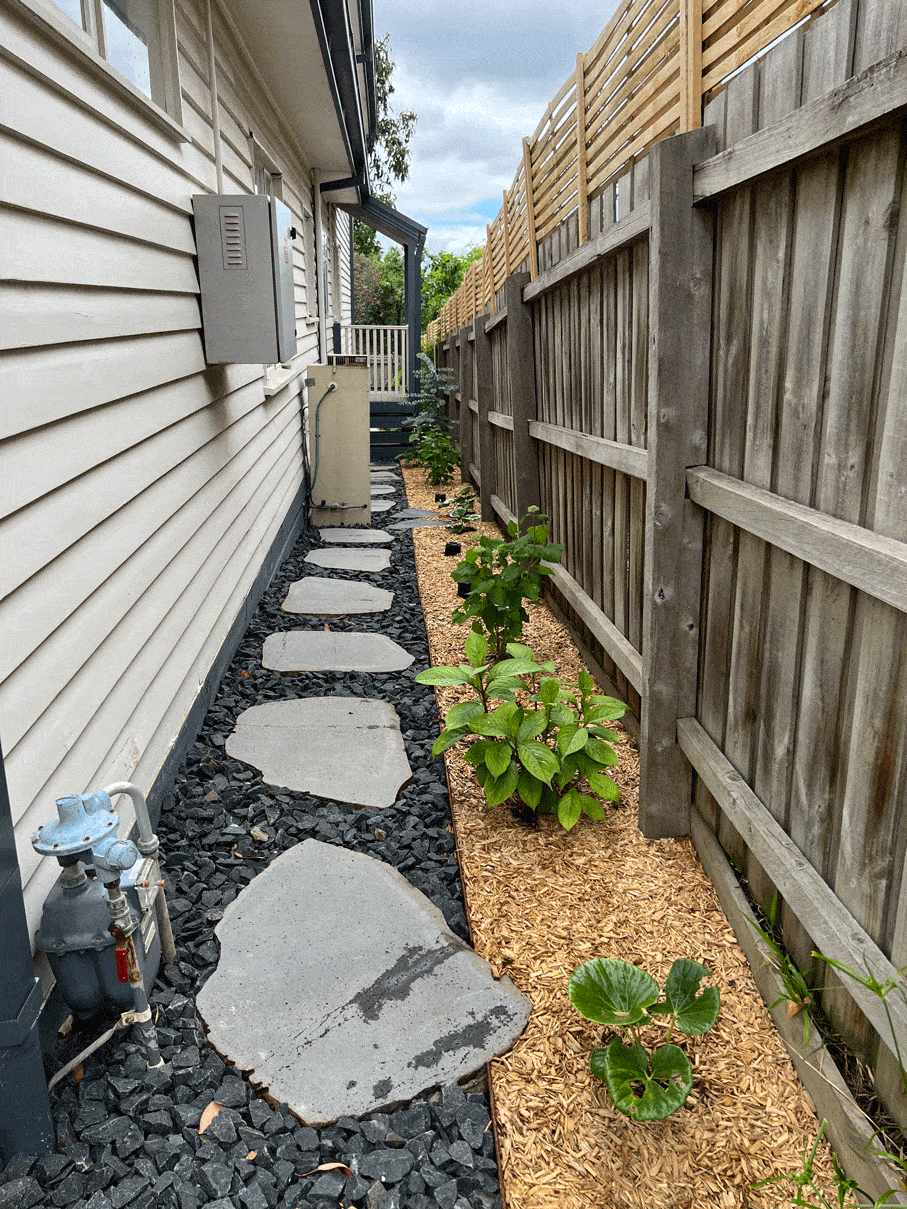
{"points": [[141, 488]]}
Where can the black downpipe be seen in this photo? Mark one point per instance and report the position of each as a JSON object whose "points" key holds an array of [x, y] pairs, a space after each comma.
{"points": [[352, 270], [412, 293], [26, 1126]]}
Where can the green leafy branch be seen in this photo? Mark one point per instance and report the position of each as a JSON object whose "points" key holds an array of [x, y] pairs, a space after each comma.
{"points": [[546, 751]]}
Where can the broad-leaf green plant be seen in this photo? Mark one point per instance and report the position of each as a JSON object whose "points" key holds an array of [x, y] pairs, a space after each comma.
{"points": [[502, 574], [645, 1084], [462, 511], [437, 452], [549, 749]]}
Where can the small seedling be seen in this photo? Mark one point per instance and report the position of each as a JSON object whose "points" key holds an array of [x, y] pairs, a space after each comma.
{"points": [[797, 993], [462, 511], [647, 1085], [500, 575]]}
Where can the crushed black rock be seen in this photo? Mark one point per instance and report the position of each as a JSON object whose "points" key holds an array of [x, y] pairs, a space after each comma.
{"points": [[129, 1137]]}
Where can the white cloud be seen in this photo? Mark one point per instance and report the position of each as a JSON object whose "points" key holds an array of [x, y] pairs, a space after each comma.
{"points": [[479, 77]]}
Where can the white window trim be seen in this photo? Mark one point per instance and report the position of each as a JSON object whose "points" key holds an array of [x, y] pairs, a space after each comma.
{"points": [[68, 36]]}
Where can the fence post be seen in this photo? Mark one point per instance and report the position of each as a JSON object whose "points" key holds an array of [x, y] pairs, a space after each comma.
{"points": [[680, 299], [690, 64], [521, 372], [466, 359], [484, 393]]}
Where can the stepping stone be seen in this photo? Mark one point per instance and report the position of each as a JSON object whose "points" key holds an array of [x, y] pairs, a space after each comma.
{"points": [[345, 749], [418, 523], [317, 597], [342, 991], [350, 559], [407, 514], [320, 651], [382, 505], [355, 537], [385, 475], [379, 490]]}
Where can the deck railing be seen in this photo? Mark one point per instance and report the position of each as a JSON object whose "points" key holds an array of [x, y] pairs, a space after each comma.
{"points": [[386, 347]]}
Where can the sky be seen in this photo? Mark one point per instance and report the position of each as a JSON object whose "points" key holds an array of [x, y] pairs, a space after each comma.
{"points": [[479, 76]]}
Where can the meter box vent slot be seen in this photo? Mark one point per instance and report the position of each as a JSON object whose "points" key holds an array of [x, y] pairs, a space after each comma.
{"points": [[245, 271], [233, 237]]}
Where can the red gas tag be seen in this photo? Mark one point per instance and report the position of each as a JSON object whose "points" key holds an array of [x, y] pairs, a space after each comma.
{"points": [[122, 964]]}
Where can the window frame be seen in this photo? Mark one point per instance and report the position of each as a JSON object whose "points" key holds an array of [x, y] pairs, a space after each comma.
{"points": [[87, 44]]}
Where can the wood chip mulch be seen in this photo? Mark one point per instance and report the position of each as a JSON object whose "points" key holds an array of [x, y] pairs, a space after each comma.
{"points": [[541, 902]]}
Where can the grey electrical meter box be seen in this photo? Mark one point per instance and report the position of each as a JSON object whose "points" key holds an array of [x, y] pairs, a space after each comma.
{"points": [[245, 269]]}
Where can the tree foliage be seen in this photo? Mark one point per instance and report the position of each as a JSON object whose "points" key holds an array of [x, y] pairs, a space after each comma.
{"points": [[442, 275], [378, 276], [389, 161], [379, 287]]}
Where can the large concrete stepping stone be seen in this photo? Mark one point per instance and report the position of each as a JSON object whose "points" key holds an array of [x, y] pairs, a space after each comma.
{"points": [[407, 514], [345, 749], [382, 505], [419, 523], [355, 537], [381, 490], [318, 597], [342, 991], [319, 651], [350, 559]]}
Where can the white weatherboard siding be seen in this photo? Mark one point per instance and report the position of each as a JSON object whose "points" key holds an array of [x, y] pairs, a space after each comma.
{"points": [[141, 488]]}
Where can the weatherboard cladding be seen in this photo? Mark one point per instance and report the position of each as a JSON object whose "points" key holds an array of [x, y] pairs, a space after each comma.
{"points": [[146, 486]]}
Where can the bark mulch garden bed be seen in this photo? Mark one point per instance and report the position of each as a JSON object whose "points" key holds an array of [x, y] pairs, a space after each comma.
{"points": [[541, 902]]}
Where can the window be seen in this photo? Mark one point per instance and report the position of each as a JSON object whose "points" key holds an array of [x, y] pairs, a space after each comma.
{"points": [[135, 37]]}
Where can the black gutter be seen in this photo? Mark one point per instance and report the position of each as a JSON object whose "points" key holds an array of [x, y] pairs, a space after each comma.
{"points": [[335, 37]]}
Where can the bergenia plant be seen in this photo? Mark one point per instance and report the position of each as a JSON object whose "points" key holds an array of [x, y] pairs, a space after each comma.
{"points": [[645, 1084]]}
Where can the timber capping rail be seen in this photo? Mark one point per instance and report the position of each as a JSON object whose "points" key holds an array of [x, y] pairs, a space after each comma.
{"points": [[814, 128]]}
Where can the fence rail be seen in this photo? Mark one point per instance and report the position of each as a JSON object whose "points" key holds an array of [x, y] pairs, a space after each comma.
{"points": [[708, 396], [646, 77]]}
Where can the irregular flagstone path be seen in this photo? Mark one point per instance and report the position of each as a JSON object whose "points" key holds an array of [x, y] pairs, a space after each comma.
{"points": [[345, 749], [350, 559], [417, 523], [355, 537], [320, 651], [382, 505], [379, 489], [406, 514], [318, 597], [368, 998]]}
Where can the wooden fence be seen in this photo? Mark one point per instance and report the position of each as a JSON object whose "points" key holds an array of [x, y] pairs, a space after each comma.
{"points": [[708, 395], [644, 78]]}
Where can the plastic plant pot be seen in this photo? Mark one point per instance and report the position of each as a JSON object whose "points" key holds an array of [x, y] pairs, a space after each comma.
{"points": [[452, 548]]}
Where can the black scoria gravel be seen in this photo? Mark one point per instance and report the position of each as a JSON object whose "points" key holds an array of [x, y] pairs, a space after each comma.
{"points": [[129, 1137]]}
